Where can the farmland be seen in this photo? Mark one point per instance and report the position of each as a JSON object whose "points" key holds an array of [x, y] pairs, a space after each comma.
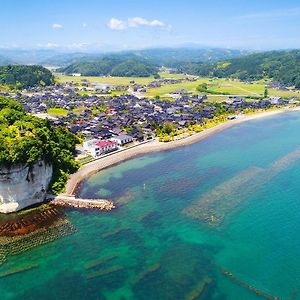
{"points": [[216, 86]]}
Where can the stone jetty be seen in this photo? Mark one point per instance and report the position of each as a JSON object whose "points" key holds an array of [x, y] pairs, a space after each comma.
{"points": [[71, 201]]}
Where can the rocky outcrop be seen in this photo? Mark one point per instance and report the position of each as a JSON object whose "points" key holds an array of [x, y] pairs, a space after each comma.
{"points": [[23, 185]]}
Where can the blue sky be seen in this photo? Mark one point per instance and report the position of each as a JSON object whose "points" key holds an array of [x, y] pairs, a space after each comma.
{"points": [[134, 24]]}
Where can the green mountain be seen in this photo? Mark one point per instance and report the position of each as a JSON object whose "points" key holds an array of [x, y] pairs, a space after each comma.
{"points": [[170, 56], [25, 76], [115, 66], [281, 66]]}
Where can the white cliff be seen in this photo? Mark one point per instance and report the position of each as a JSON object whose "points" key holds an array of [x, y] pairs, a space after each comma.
{"points": [[23, 185]]}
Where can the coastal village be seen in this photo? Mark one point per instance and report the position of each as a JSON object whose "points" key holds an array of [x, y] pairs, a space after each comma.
{"points": [[110, 122], [149, 150]]}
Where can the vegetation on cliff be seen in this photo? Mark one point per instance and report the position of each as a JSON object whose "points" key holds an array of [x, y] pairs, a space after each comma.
{"points": [[21, 77], [24, 139]]}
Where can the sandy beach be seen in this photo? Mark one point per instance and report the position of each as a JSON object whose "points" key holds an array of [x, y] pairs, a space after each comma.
{"points": [[156, 146]]}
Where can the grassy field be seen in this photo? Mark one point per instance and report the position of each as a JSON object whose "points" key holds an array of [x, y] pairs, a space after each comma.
{"points": [[217, 85], [216, 98], [173, 76], [116, 80], [57, 112], [223, 86], [103, 79]]}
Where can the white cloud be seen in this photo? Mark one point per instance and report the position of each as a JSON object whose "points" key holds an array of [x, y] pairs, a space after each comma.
{"points": [[137, 21], [84, 25], [116, 24], [57, 26]]}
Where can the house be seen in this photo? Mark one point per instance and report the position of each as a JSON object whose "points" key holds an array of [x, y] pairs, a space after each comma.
{"points": [[105, 146], [122, 139], [97, 147], [89, 146], [278, 100], [76, 74]]}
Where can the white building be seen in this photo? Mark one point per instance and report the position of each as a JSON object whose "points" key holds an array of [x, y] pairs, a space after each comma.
{"points": [[122, 139], [98, 147]]}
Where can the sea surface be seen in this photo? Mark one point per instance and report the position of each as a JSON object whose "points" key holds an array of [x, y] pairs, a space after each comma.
{"points": [[230, 202]]}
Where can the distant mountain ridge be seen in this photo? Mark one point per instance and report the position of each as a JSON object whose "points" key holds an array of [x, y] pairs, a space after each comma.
{"points": [[5, 61], [142, 63], [160, 56], [281, 66]]}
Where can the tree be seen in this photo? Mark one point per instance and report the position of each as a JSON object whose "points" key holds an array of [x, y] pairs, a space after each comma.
{"points": [[266, 93], [24, 139], [297, 83], [25, 76], [203, 87]]}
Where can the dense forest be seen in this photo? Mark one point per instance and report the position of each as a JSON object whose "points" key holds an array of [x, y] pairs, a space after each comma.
{"points": [[113, 66], [21, 77], [281, 66], [24, 139]]}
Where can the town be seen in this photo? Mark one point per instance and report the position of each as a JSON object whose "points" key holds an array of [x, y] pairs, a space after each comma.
{"points": [[110, 122]]}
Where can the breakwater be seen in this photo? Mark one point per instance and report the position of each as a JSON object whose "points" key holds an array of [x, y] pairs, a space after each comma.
{"points": [[248, 286], [33, 229], [13, 245], [215, 205], [71, 201]]}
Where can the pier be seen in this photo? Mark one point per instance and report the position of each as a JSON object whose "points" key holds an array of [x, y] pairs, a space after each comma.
{"points": [[71, 201]]}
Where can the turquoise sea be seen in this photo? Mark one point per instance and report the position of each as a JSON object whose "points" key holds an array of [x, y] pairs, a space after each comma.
{"points": [[231, 201]]}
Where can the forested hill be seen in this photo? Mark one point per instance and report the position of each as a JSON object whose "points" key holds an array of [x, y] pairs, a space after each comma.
{"points": [[282, 66], [113, 66], [25, 76], [24, 139], [169, 56]]}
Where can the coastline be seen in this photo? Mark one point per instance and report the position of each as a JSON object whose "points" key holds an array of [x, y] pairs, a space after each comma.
{"points": [[156, 146]]}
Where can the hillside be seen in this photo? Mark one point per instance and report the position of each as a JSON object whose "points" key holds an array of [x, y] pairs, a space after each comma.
{"points": [[114, 66], [25, 76], [281, 66], [170, 56], [24, 139]]}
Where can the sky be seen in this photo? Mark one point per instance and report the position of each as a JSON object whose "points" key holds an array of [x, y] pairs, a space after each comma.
{"points": [[87, 25]]}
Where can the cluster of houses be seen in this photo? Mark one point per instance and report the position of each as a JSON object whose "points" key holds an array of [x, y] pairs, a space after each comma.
{"points": [[110, 122], [132, 87]]}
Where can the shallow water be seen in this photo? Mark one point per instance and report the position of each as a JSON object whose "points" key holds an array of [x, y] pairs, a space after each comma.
{"points": [[158, 245]]}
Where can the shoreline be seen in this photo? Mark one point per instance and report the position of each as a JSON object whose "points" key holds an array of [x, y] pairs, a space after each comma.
{"points": [[155, 146]]}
